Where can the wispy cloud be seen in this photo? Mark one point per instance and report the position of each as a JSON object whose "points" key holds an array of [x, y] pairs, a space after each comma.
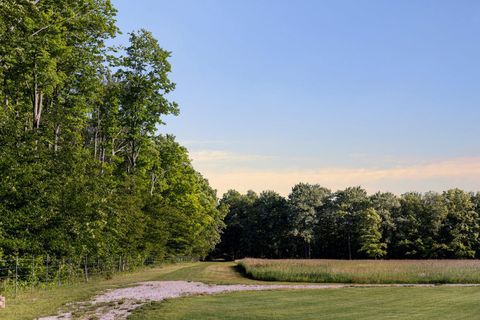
{"points": [[435, 175], [204, 143], [218, 156]]}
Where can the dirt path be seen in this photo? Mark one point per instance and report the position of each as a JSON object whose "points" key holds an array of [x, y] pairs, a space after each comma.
{"points": [[119, 303]]}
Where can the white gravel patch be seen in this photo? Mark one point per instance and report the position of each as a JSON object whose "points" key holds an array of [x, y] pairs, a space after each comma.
{"points": [[160, 290], [119, 303]]}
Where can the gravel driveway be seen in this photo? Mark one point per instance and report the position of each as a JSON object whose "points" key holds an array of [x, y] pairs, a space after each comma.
{"points": [[119, 303]]}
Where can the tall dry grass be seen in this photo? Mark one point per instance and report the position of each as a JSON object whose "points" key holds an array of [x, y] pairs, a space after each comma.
{"points": [[363, 271]]}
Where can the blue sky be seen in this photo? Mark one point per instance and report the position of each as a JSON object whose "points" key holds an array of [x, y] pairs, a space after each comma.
{"points": [[383, 94]]}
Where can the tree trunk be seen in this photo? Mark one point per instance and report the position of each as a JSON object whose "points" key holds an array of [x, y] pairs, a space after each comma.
{"points": [[57, 137], [96, 144], [37, 100], [86, 268], [349, 246], [5, 92], [154, 179]]}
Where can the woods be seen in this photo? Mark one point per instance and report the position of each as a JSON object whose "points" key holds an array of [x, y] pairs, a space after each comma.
{"points": [[314, 222], [83, 170], [85, 173]]}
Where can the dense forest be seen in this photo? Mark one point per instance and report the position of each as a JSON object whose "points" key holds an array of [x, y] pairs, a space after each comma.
{"points": [[314, 222], [83, 170]]}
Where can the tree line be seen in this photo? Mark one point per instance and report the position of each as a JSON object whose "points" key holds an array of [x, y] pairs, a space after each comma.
{"points": [[313, 222], [83, 171]]}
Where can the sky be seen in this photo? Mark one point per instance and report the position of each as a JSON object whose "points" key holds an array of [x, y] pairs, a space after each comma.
{"points": [[381, 94]]}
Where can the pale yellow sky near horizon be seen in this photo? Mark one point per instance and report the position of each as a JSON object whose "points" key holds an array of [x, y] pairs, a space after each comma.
{"points": [[439, 175]]}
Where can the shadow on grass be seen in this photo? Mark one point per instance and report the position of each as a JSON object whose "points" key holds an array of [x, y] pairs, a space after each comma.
{"points": [[241, 271]]}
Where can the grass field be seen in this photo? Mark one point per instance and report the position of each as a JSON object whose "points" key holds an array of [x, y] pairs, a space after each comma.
{"points": [[340, 304], [41, 302], [351, 303], [364, 271]]}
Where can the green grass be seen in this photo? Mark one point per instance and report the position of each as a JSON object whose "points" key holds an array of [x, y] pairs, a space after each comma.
{"points": [[41, 302], [210, 272], [367, 303], [363, 271], [341, 304]]}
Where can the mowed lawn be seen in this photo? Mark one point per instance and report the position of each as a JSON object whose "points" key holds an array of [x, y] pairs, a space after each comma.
{"points": [[364, 271], [30, 304], [347, 303]]}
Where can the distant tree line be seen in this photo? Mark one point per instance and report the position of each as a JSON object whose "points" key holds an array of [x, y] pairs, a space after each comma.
{"points": [[82, 170], [313, 222]]}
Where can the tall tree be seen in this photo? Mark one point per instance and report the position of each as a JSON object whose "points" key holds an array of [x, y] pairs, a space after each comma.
{"points": [[143, 77], [236, 238], [271, 220], [348, 207], [386, 205], [370, 235], [305, 200], [460, 229]]}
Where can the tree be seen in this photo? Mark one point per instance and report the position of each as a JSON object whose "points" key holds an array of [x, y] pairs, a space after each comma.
{"points": [[83, 172], [431, 219], [348, 206], [182, 203], [305, 199], [143, 78], [460, 229], [236, 238], [386, 205], [272, 225], [370, 235]]}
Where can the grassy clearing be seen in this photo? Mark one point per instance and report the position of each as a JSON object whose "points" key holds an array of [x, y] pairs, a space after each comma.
{"points": [[364, 271], [341, 304], [215, 273], [41, 302], [367, 303], [210, 272]]}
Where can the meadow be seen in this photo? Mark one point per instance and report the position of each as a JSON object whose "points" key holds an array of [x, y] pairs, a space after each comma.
{"points": [[363, 271]]}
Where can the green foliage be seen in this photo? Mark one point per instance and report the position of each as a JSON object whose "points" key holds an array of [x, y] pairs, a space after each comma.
{"points": [[371, 237], [83, 172], [305, 200], [349, 224], [460, 228], [256, 225]]}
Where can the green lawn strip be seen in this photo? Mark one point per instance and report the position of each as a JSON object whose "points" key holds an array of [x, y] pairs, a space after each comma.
{"points": [[41, 302], [212, 273], [340, 304], [217, 273]]}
